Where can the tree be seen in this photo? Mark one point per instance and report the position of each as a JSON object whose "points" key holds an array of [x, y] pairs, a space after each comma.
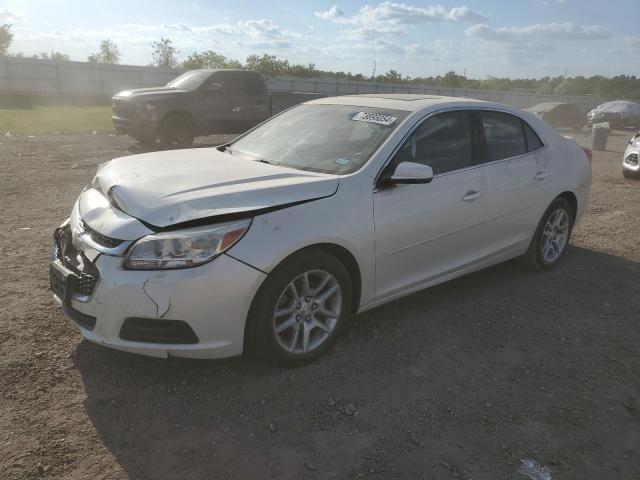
{"points": [[6, 38], [209, 59], [164, 53], [267, 64], [108, 52], [55, 56]]}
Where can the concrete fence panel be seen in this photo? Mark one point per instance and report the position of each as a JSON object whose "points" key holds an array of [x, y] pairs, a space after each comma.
{"points": [[28, 76]]}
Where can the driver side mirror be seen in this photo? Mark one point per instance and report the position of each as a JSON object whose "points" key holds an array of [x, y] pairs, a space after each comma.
{"points": [[411, 172]]}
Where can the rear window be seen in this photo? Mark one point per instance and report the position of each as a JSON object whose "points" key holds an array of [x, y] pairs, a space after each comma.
{"points": [[504, 134]]}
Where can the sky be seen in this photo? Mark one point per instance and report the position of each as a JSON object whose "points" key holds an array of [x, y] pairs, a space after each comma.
{"points": [[514, 38]]}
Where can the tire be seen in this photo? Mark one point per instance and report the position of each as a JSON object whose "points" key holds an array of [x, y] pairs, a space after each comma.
{"points": [[630, 175], [297, 311], [539, 256], [176, 131], [146, 141]]}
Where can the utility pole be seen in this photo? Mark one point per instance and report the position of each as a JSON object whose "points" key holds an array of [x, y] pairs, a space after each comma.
{"points": [[373, 74]]}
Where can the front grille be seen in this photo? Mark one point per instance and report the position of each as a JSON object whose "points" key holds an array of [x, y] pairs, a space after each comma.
{"points": [[149, 330], [100, 238], [123, 108], [85, 273]]}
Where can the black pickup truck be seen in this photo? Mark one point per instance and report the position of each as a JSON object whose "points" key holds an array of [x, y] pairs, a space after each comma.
{"points": [[199, 102]]}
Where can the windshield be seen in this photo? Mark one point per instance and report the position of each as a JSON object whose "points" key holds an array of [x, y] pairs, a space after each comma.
{"points": [[189, 80], [335, 139]]}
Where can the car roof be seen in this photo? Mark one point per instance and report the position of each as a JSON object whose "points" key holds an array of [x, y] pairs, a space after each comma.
{"points": [[394, 101], [546, 106]]}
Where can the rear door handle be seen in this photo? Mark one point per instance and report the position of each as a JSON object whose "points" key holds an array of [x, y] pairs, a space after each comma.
{"points": [[472, 195], [541, 175]]}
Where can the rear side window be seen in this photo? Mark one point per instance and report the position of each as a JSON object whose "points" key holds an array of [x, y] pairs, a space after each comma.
{"points": [[442, 142], [504, 134], [533, 140], [254, 84]]}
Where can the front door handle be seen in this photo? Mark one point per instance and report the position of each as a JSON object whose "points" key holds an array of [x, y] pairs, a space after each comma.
{"points": [[541, 175], [472, 195]]}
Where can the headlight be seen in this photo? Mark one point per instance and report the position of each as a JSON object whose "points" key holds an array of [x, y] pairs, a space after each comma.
{"points": [[184, 248]]}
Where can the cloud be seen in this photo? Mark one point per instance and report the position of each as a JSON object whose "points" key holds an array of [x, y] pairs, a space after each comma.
{"points": [[10, 16], [396, 18], [333, 13], [538, 33]]}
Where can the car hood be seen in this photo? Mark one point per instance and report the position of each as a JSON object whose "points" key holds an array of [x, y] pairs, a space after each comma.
{"points": [[147, 93], [163, 189]]}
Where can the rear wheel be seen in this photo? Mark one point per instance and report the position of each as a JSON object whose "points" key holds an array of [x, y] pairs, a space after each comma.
{"points": [[176, 131], [300, 309], [552, 236]]}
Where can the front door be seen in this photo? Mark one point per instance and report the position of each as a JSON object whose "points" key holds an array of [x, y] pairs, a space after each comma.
{"points": [[427, 230]]}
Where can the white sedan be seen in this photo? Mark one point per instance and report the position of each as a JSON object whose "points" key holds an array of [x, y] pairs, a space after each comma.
{"points": [[631, 158], [271, 242]]}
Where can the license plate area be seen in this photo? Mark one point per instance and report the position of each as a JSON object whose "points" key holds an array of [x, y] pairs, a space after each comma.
{"points": [[62, 282]]}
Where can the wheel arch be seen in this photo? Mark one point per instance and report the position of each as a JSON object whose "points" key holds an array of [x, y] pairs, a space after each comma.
{"points": [[572, 199], [178, 113], [338, 251]]}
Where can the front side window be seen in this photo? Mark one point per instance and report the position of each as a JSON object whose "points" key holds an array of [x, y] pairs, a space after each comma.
{"points": [[442, 142], [336, 139], [504, 135]]}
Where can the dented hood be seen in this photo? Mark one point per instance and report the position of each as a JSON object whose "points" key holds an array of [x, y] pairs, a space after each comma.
{"points": [[176, 186]]}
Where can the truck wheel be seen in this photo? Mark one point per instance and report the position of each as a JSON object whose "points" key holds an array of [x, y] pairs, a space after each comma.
{"points": [[147, 141], [176, 132]]}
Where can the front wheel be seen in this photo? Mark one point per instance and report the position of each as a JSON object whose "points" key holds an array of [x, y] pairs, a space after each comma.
{"points": [[176, 131], [300, 308], [551, 237]]}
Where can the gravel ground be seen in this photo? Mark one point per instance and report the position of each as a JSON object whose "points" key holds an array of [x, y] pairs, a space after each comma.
{"points": [[461, 381]]}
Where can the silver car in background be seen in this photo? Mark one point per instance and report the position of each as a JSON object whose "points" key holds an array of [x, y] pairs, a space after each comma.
{"points": [[631, 158], [271, 242]]}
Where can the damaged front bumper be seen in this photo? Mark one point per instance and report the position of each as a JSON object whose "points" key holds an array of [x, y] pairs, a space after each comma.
{"points": [[197, 312]]}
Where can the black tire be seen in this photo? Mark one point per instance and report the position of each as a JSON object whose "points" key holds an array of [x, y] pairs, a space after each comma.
{"points": [[534, 258], [630, 175], [146, 141], [260, 337], [177, 131]]}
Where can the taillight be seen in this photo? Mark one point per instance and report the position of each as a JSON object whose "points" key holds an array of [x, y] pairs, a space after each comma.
{"points": [[587, 152]]}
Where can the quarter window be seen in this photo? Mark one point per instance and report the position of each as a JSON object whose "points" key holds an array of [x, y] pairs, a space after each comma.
{"points": [[533, 141], [504, 134], [443, 142]]}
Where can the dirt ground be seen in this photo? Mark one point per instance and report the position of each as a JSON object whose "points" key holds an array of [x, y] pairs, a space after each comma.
{"points": [[461, 381]]}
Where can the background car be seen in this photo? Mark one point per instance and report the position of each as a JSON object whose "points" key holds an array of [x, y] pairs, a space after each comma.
{"points": [[631, 158], [560, 115], [619, 114], [199, 102]]}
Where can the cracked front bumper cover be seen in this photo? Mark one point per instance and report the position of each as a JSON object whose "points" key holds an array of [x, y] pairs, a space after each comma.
{"points": [[212, 299]]}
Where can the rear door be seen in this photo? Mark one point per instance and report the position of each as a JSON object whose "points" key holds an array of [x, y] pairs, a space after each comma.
{"points": [[222, 98], [515, 168], [423, 231]]}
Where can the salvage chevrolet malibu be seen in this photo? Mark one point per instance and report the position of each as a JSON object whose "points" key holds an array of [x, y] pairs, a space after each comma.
{"points": [[271, 242]]}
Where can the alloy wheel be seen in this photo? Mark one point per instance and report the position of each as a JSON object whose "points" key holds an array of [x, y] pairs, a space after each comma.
{"points": [[555, 235], [307, 311]]}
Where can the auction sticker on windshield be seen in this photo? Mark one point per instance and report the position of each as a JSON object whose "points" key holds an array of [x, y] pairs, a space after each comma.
{"points": [[379, 118]]}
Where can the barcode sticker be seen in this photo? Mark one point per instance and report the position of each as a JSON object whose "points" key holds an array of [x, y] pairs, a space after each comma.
{"points": [[379, 118]]}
